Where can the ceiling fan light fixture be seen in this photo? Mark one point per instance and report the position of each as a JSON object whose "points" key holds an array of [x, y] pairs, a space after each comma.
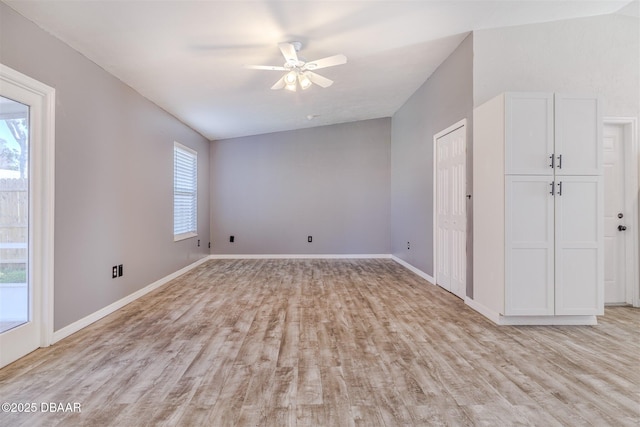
{"points": [[305, 82], [290, 78], [298, 71]]}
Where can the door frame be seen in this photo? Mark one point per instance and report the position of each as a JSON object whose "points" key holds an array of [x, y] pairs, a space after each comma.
{"points": [[632, 184], [42, 185], [460, 124]]}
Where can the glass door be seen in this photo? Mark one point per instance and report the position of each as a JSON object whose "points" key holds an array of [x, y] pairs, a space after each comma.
{"points": [[15, 288], [27, 186]]}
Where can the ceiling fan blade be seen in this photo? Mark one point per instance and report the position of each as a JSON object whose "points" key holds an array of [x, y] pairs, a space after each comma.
{"points": [[329, 61], [279, 84], [319, 80], [265, 67], [289, 52]]}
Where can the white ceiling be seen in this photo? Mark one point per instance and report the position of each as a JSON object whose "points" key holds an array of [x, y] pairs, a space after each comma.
{"points": [[188, 56]]}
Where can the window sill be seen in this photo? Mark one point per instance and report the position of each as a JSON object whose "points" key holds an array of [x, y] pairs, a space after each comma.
{"points": [[184, 236]]}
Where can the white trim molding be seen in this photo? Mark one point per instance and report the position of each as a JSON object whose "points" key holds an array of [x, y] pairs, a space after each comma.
{"points": [[632, 185], [94, 317], [300, 256], [414, 270], [500, 319]]}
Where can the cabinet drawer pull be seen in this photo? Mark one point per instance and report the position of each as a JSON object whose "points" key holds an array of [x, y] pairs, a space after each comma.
{"points": [[553, 188], [560, 188], [553, 161], [560, 161]]}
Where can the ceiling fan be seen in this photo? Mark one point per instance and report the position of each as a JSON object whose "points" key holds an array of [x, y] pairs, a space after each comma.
{"points": [[299, 70]]}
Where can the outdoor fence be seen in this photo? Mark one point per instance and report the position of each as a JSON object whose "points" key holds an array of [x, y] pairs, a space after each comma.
{"points": [[14, 221]]}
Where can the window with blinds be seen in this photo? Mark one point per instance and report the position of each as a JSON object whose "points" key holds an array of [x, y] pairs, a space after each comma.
{"points": [[185, 192]]}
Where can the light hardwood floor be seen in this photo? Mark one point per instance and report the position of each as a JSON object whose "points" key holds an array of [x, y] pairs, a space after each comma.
{"points": [[327, 343]]}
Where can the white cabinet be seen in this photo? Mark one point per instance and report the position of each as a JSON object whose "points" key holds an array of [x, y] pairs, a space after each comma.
{"points": [[578, 136], [538, 209], [529, 239], [579, 245], [547, 134], [529, 133]]}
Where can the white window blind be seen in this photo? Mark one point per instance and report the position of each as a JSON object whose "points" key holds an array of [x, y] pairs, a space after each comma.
{"points": [[185, 192]]}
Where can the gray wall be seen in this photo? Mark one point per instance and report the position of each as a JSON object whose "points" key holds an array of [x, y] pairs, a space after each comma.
{"points": [[444, 99], [598, 55], [114, 175], [332, 182]]}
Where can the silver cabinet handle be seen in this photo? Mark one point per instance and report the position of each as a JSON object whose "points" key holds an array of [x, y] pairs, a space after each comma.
{"points": [[560, 161], [553, 188], [560, 188], [553, 161]]}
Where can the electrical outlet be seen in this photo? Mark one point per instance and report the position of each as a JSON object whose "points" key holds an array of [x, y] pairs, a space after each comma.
{"points": [[120, 270], [198, 242], [114, 271], [231, 239], [408, 245], [309, 239], [209, 245]]}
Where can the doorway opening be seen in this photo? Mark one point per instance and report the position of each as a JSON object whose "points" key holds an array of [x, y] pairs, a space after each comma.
{"points": [[620, 146]]}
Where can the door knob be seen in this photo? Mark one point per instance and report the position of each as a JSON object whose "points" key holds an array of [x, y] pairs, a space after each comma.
{"points": [[622, 227]]}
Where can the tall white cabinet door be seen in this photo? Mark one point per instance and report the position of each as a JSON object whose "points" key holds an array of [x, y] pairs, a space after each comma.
{"points": [[529, 245], [578, 135], [579, 245], [529, 147]]}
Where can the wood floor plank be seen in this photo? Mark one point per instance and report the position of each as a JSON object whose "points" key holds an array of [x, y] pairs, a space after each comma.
{"points": [[309, 390], [366, 416], [232, 397], [303, 342]]}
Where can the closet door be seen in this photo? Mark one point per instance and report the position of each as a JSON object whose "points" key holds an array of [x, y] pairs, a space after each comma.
{"points": [[578, 135], [529, 245], [579, 245], [451, 263], [529, 134]]}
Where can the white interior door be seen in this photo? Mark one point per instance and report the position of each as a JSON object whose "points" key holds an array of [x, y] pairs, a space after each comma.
{"points": [[614, 238], [443, 220], [451, 222], [26, 214]]}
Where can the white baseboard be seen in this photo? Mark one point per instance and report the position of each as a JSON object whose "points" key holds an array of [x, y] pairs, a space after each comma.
{"points": [[414, 269], [86, 321], [485, 311], [300, 256], [500, 319], [548, 320]]}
